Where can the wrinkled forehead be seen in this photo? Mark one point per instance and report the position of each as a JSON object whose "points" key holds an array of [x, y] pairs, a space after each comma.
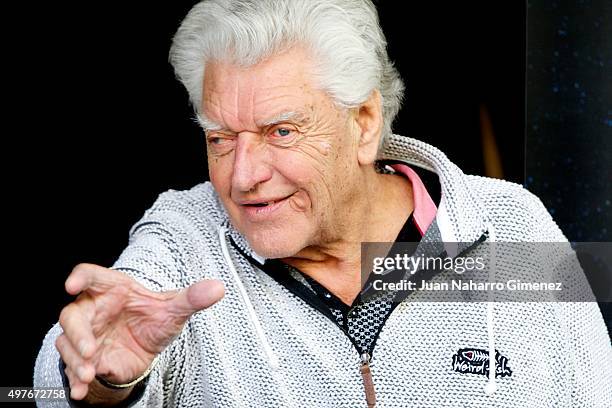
{"points": [[244, 98]]}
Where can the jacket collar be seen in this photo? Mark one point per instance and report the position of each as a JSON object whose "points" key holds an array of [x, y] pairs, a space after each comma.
{"points": [[461, 217], [424, 208]]}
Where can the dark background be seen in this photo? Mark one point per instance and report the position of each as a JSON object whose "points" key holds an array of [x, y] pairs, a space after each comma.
{"points": [[568, 133], [101, 127], [569, 114]]}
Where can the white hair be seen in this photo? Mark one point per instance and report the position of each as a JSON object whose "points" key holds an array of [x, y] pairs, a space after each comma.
{"points": [[344, 36]]}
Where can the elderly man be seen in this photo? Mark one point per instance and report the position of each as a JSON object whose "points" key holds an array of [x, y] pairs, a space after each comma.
{"points": [[296, 99]]}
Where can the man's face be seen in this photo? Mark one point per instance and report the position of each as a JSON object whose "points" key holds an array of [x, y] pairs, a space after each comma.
{"points": [[281, 155]]}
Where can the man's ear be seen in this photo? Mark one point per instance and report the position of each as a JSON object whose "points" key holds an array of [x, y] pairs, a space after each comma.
{"points": [[370, 121]]}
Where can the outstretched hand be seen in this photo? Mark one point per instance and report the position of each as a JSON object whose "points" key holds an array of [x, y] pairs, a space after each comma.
{"points": [[116, 327]]}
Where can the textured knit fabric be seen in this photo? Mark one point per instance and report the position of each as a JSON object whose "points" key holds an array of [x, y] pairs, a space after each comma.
{"points": [[559, 353]]}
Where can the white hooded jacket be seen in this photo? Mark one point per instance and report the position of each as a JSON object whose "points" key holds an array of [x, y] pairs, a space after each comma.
{"points": [[262, 346]]}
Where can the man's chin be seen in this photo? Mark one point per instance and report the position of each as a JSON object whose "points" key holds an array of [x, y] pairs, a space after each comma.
{"points": [[272, 246], [270, 252]]}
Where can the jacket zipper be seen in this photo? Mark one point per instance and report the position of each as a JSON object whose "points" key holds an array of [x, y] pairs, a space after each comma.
{"points": [[368, 383]]}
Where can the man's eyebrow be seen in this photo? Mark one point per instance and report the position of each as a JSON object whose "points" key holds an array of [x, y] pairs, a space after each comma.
{"points": [[282, 117], [207, 124]]}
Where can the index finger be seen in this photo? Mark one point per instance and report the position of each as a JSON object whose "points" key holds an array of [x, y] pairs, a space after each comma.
{"points": [[89, 276]]}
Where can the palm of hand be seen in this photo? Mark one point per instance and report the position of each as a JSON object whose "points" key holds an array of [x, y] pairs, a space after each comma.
{"points": [[131, 325]]}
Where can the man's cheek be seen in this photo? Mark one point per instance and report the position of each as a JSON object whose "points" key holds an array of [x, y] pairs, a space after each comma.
{"points": [[221, 181], [299, 201], [313, 148]]}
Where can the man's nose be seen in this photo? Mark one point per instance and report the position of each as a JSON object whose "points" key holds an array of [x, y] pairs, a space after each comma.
{"points": [[250, 163]]}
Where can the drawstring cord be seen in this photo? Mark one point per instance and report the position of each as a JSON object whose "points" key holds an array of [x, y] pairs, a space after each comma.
{"points": [[272, 358], [491, 386]]}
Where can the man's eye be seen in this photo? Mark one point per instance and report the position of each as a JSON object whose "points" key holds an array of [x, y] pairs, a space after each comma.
{"points": [[216, 140], [220, 144], [282, 132]]}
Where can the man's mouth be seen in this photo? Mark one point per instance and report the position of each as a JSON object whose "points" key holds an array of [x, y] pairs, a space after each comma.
{"points": [[262, 203], [260, 209]]}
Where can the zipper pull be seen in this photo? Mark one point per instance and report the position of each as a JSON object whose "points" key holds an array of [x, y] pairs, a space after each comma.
{"points": [[368, 383]]}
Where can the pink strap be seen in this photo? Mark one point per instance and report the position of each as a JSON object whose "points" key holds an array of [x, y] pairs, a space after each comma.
{"points": [[424, 207]]}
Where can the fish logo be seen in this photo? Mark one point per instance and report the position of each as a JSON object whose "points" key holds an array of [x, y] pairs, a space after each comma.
{"points": [[475, 355], [476, 361]]}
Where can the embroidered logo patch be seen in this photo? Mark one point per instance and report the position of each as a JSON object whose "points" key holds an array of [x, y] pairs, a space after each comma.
{"points": [[476, 361]]}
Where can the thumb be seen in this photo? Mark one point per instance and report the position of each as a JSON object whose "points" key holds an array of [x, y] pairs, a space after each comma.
{"points": [[198, 296]]}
